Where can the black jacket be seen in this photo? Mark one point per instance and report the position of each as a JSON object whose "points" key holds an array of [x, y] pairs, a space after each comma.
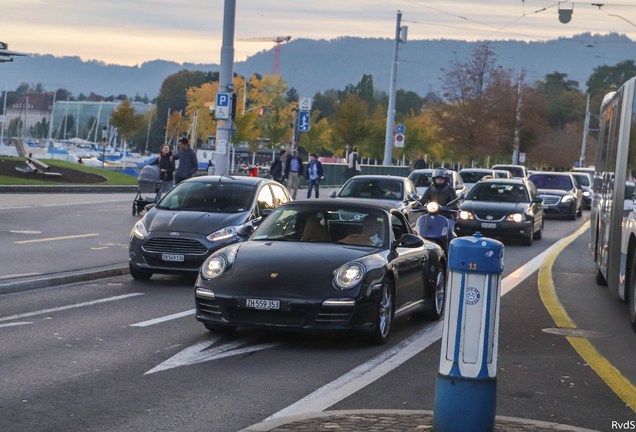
{"points": [[276, 170], [301, 168], [166, 163], [420, 164], [440, 196]]}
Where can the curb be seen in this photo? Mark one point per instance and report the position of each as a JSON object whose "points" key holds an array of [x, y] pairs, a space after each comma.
{"points": [[81, 276], [67, 189], [267, 426]]}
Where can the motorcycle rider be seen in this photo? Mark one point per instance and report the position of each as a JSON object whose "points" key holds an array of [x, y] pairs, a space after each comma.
{"points": [[439, 191]]}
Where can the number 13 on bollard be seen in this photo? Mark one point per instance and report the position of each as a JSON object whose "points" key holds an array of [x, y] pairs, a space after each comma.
{"points": [[466, 388]]}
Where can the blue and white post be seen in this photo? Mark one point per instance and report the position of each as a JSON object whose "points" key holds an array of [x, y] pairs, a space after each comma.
{"points": [[466, 390]]}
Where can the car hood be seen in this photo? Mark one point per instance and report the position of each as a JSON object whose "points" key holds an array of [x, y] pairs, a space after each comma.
{"points": [[494, 207], [291, 269], [190, 221]]}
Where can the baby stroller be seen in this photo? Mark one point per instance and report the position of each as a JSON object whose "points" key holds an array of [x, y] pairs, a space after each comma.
{"points": [[149, 183]]}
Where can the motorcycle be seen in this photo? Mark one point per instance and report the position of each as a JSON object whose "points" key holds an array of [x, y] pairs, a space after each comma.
{"points": [[438, 224]]}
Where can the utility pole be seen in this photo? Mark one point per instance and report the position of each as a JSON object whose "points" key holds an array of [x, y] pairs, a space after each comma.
{"points": [[48, 140], [515, 152], [4, 110], [400, 36], [226, 85], [148, 134], [586, 130]]}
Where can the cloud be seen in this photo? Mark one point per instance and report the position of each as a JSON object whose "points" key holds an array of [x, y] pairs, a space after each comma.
{"points": [[134, 31]]}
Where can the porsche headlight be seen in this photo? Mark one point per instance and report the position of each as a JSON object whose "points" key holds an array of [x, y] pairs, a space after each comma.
{"points": [[567, 198], [515, 217], [140, 230], [465, 215], [223, 234], [432, 207], [349, 275], [586, 193], [213, 266]]}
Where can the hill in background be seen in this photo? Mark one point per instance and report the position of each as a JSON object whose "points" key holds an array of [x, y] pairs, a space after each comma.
{"points": [[317, 65]]}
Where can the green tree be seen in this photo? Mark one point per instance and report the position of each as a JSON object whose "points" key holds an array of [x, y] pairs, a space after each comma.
{"points": [[326, 103], [319, 135], [125, 119], [349, 124], [565, 102], [607, 78]]}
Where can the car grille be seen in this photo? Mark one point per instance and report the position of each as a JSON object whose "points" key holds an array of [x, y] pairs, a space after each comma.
{"points": [[495, 216], [250, 316], [550, 199], [208, 307], [175, 246], [329, 315]]}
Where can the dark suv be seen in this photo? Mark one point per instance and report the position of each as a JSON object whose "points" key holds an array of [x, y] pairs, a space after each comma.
{"points": [[562, 197]]}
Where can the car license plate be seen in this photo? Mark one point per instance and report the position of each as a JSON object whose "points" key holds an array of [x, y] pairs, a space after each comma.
{"points": [[262, 304], [488, 225], [174, 258]]}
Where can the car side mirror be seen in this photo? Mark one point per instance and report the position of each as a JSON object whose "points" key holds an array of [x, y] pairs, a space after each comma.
{"points": [[412, 197], [537, 200], [149, 207], [245, 231], [411, 241], [266, 212], [333, 194], [459, 187]]}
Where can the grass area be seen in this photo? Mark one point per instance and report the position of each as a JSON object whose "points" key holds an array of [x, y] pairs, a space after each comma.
{"points": [[114, 178]]}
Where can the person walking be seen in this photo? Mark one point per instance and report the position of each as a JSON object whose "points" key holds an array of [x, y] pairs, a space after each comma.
{"points": [[420, 163], [354, 162], [314, 174], [188, 162], [294, 170], [165, 162], [277, 168]]}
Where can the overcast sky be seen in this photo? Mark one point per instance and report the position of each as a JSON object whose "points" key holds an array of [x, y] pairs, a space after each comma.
{"points": [[134, 31]]}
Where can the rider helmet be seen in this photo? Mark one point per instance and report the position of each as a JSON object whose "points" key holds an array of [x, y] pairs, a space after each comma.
{"points": [[443, 173]]}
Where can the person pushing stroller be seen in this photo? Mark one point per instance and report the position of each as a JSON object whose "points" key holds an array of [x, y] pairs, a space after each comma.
{"points": [[166, 164]]}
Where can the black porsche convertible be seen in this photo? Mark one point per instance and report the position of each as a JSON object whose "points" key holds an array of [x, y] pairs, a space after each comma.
{"points": [[324, 265]]}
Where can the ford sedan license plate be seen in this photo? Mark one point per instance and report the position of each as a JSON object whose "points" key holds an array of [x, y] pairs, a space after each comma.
{"points": [[174, 258], [262, 304], [488, 225]]}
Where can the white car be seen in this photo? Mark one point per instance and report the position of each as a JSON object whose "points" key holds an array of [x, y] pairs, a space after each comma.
{"points": [[470, 176], [423, 178]]}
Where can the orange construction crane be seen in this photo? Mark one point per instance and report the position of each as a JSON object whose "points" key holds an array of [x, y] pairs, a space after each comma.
{"points": [[278, 40]]}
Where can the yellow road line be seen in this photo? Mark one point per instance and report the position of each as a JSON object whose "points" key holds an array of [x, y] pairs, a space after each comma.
{"points": [[608, 373], [55, 238]]}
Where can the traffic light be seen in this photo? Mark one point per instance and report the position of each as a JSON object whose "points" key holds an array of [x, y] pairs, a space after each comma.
{"points": [[234, 103]]}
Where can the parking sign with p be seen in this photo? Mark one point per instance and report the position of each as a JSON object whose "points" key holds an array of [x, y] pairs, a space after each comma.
{"points": [[222, 106]]}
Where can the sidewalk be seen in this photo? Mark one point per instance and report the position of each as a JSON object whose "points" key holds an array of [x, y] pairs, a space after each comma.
{"points": [[389, 421]]}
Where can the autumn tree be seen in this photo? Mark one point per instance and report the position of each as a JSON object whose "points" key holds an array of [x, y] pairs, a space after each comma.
{"points": [[349, 124], [125, 119], [318, 136]]}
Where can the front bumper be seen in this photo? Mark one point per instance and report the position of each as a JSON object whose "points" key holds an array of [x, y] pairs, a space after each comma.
{"points": [[501, 229], [294, 313], [560, 210], [152, 260]]}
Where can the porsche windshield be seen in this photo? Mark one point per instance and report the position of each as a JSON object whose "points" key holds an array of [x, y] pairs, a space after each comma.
{"points": [[316, 225], [499, 193], [215, 197]]}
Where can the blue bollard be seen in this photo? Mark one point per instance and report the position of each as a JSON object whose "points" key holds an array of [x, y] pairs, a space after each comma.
{"points": [[466, 388]]}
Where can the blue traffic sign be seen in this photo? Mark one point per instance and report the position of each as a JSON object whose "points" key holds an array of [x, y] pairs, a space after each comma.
{"points": [[303, 121], [400, 129], [222, 111], [222, 99]]}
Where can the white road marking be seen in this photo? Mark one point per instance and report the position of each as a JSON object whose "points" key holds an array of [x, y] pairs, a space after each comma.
{"points": [[64, 204], [15, 324], [55, 238], [25, 232], [377, 367], [198, 353], [164, 319], [19, 275], [61, 308]]}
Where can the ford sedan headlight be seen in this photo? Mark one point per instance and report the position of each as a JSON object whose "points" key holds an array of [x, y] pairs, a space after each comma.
{"points": [[213, 266], [140, 230], [516, 217], [567, 198], [465, 215], [349, 275], [223, 234], [432, 207]]}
